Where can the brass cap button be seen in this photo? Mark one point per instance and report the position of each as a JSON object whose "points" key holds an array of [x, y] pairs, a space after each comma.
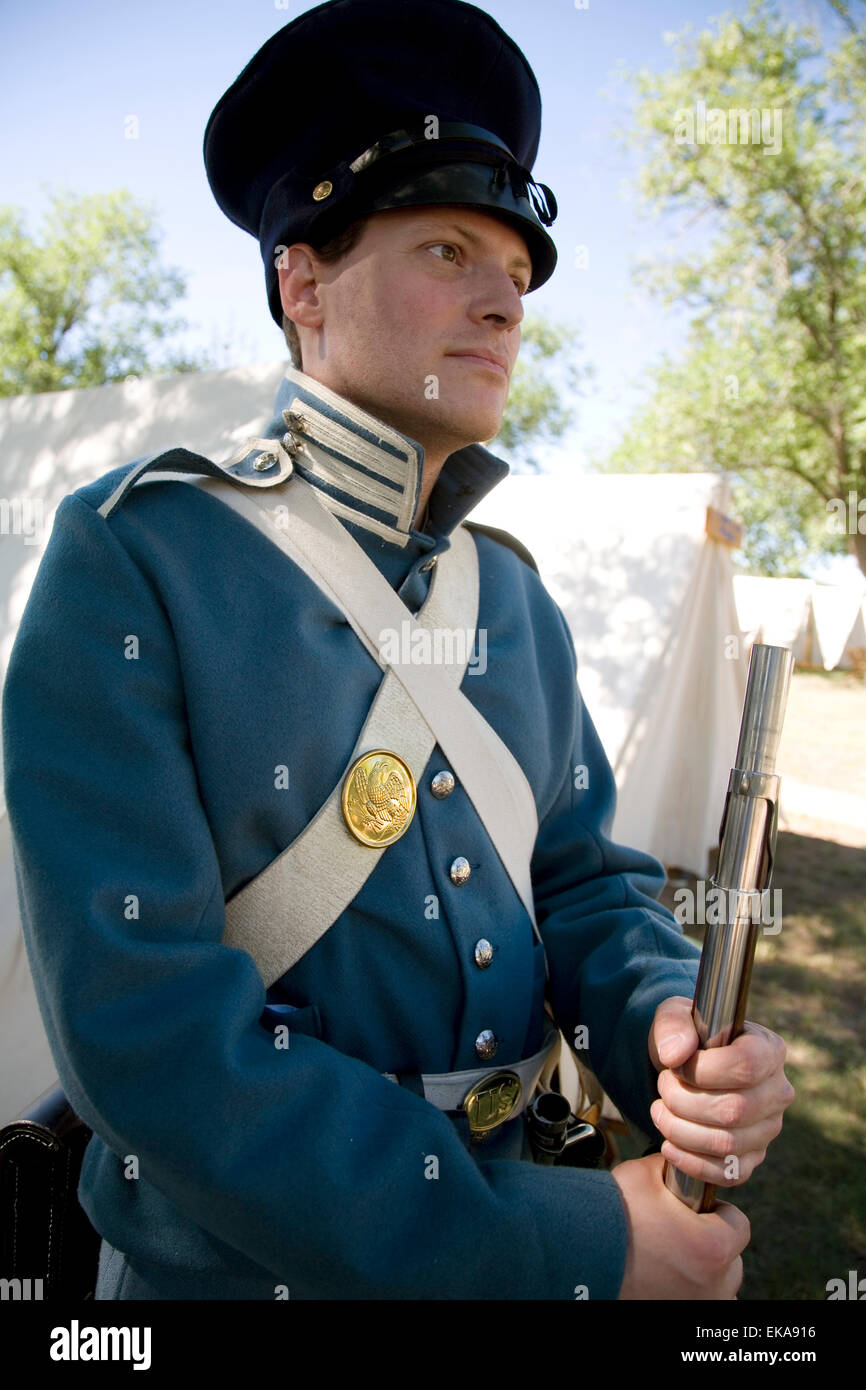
{"points": [[442, 784], [486, 1044], [323, 190], [483, 953], [460, 870]]}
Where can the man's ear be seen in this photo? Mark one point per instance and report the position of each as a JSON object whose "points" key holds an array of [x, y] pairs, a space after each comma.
{"points": [[297, 272]]}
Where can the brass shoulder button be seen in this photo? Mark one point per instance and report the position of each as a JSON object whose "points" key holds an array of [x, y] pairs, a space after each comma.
{"points": [[259, 463]]}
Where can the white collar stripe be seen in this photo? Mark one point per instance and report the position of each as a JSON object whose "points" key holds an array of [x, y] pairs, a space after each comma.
{"points": [[370, 472], [342, 444], [355, 453], [312, 460], [369, 523], [385, 443]]}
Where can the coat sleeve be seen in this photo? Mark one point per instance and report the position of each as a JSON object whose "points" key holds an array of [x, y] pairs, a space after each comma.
{"points": [[614, 952], [301, 1162]]}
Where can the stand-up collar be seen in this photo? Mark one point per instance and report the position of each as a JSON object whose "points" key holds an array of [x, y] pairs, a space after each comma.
{"points": [[367, 471]]}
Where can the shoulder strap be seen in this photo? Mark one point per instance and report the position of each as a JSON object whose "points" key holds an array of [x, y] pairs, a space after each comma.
{"points": [[490, 774], [259, 463], [281, 913]]}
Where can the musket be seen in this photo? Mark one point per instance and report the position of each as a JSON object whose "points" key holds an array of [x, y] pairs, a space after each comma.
{"points": [[747, 847]]}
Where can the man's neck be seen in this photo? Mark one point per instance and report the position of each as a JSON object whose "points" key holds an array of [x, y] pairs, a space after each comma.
{"points": [[428, 482]]}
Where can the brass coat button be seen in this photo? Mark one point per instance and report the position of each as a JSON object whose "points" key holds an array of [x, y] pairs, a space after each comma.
{"points": [[483, 953], [460, 870], [442, 785], [486, 1044]]}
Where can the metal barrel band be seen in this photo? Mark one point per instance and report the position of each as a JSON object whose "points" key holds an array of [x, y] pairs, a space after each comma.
{"points": [[748, 902]]}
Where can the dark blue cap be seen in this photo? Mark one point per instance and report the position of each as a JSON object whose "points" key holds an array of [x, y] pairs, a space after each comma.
{"points": [[361, 105]]}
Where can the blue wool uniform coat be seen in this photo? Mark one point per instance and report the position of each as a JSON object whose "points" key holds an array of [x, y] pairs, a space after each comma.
{"points": [[169, 660]]}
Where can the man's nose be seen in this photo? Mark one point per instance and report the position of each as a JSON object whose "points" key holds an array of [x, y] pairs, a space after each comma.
{"points": [[498, 296]]}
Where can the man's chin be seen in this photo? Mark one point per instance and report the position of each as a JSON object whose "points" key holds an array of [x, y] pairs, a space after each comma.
{"points": [[475, 426], [453, 427]]}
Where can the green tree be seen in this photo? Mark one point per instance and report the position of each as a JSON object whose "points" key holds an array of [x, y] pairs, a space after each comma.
{"points": [[771, 385], [850, 12], [86, 301], [546, 375]]}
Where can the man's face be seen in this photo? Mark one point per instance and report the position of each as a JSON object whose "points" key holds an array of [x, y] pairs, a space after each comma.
{"points": [[388, 326]]}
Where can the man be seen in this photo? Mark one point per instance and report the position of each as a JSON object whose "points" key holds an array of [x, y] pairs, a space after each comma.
{"points": [[182, 713]]}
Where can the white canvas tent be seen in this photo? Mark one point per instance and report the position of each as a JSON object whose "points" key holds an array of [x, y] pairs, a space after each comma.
{"points": [[821, 623], [661, 665], [775, 611], [51, 444], [855, 643], [647, 594]]}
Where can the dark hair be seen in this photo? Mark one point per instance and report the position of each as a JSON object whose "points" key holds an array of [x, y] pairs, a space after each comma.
{"points": [[332, 251]]}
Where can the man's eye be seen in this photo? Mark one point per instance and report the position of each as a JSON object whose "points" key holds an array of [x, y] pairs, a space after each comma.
{"points": [[449, 246]]}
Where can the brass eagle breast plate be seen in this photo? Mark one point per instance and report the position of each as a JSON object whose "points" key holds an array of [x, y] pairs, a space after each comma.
{"points": [[379, 798]]}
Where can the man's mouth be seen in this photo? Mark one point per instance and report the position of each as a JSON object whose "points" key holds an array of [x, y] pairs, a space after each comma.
{"points": [[480, 361]]}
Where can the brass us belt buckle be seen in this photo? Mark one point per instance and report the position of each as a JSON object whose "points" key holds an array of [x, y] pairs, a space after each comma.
{"points": [[491, 1101], [379, 798]]}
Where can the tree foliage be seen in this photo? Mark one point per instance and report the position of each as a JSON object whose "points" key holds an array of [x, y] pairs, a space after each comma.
{"points": [[86, 301], [771, 385], [850, 12]]}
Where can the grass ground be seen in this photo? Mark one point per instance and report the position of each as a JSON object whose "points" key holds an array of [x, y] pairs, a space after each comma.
{"points": [[807, 1200], [824, 736]]}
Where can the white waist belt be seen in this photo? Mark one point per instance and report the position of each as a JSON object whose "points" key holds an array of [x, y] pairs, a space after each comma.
{"points": [[448, 1090]]}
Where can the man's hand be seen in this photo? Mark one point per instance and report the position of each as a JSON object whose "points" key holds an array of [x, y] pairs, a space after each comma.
{"points": [[674, 1252], [719, 1108]]}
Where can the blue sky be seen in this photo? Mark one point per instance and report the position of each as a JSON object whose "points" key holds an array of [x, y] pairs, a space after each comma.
{"points": [[74, 72]]}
